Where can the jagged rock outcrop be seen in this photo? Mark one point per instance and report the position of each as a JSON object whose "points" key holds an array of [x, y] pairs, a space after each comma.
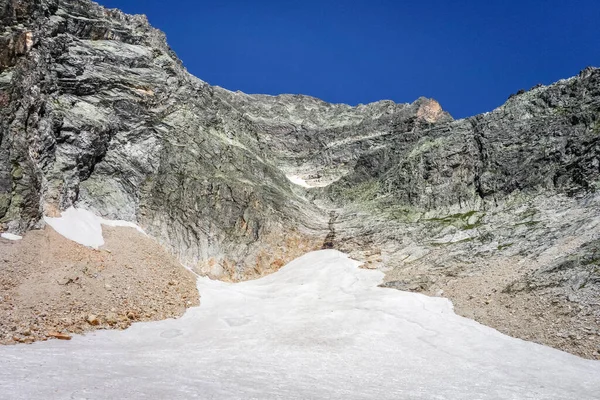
{"points": [[544, 139], [98, 112]]}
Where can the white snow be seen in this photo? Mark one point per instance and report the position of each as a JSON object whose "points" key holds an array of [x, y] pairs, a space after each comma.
{"points": [[296, 180], [10, 236], [84, 227], [319, 328]]}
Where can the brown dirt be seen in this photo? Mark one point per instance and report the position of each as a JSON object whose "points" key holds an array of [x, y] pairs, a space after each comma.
{"points": [[51, 287]]}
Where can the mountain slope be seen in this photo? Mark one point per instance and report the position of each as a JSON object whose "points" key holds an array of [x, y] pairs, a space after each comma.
{"points": [[98, 112]]}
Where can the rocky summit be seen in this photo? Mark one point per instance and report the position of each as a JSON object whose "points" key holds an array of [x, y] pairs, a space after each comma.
{"points": [[498, 212]]}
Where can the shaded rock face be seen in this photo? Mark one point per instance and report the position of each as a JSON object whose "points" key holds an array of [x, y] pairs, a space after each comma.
{"points": [[98, 112]]}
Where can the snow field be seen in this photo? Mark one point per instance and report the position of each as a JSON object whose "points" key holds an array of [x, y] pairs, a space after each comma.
{"points": [[319, 328]]}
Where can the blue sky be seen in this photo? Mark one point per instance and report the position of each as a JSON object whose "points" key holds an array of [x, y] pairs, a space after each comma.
{"points": [[468, 55]]}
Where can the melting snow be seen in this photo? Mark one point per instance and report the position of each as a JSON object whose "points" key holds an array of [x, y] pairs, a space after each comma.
{"points": [[84, 227], [319, 328], [296, 180], [10, 236]]}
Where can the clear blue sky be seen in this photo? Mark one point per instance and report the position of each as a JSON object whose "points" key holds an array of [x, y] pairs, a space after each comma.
{"points": [[469, 55]]}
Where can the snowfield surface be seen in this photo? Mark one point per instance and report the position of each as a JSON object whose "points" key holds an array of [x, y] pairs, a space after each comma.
{"points": [[84, 227], [320, 328]]}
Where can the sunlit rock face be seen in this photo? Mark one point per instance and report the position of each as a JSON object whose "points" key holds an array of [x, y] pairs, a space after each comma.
{"points": [[430, 111], [99, 113]]}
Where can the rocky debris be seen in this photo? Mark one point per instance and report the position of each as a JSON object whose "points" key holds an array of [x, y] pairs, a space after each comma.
{"points": [[51, 287], [414, 284], [544, 316]]}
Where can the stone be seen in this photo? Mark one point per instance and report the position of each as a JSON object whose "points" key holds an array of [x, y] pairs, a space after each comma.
{"points": [[93, 320], [60, 336], [111, 318]]}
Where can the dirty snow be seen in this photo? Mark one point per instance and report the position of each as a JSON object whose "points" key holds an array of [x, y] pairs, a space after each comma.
{"points": [[319, 328], [296, 180], [10, 236], [84, 227]]}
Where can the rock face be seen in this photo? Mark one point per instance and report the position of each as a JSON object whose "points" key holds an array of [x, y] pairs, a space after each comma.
{"points": [[101, 114], [98, 112], [544, 139]]}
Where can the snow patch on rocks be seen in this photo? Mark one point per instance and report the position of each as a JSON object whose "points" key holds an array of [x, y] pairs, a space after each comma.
{"points": [[10, 236], [84, 227], [296, 180]]}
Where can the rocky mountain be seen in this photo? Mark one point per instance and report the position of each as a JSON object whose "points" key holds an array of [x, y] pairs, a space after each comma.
{"points": [[498, 211]]}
